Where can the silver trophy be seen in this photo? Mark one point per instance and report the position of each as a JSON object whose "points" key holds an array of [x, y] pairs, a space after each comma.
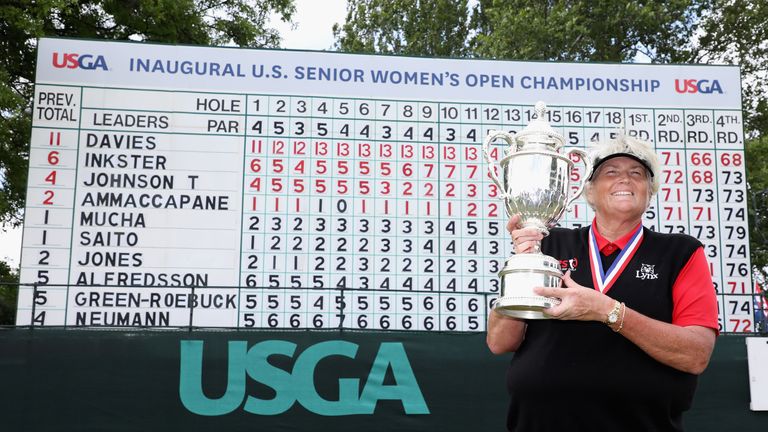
{"points": [[535, 183]]}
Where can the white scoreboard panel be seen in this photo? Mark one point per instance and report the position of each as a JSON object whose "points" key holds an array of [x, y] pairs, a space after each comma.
{"points": [[212, 187]]}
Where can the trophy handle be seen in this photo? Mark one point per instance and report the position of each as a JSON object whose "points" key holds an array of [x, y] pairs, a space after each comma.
{"points": [[587, 171], [492, 163]]}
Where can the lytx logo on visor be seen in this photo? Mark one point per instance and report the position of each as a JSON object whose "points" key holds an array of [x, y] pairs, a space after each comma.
{"points": [[82, 61], [698, 86]]}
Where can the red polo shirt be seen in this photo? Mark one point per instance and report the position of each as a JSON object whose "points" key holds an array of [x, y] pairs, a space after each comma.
{"points": [[693, 294]]}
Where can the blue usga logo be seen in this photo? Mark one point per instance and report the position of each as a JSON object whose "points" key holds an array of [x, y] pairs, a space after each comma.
{"points": [[82, 61], [698, 86], [298, 385]]}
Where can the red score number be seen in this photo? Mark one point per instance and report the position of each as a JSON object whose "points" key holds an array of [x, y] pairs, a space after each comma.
{"points": [[728, 159], [701, 159], [53, 159]]}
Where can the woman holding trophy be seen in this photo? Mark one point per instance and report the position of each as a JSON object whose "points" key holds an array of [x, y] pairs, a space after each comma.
{"points": [[636, 320]]}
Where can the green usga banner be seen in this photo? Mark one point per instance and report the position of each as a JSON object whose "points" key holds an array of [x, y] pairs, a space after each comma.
{"points": [[82, 380], [297, 385], [254, 380]]}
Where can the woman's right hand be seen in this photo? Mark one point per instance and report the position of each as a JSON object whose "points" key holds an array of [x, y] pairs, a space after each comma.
{"points": [[524, 239]]}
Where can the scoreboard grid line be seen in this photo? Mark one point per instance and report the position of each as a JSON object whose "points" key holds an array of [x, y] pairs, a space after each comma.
{"points": [[623, 108], [720, 290], [241, 235], [74, 205]]}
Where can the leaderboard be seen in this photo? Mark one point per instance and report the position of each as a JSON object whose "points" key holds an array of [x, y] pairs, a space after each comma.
{"points": [[210, 187]]}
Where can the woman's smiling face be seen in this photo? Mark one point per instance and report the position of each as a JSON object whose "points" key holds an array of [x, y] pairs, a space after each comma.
{"points": [[620, 189]]}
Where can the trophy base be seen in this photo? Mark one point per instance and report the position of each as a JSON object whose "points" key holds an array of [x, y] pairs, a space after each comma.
{"points": [[520, 275], [521, 307]]}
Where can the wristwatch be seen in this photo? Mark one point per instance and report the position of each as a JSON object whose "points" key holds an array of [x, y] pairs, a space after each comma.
{"points": [[613, 315]]}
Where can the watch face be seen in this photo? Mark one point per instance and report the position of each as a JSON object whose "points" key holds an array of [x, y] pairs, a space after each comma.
{"points": [[613, 316]]}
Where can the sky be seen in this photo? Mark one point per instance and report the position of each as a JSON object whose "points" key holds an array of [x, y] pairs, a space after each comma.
{"points": [[314, 21], [312, 30]]}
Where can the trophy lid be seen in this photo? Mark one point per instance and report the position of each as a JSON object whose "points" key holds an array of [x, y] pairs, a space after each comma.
{"points": [[538, 131]]}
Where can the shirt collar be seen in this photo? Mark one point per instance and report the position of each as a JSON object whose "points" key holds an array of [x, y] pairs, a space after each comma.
{"points": [[607, 247]]}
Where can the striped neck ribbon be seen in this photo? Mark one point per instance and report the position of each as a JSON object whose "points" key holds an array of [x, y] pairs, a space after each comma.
{"points": [[603, 280]]}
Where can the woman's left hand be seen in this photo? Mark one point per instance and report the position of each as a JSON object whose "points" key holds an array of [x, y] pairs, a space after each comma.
{"points": [[577, 302]]}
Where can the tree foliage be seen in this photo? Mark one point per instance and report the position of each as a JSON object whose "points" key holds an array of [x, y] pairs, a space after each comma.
{"points": [[736, 32], [578, 30], [8, 294], [201, 22], [757, 178], [423, 27], [575, 30]]}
